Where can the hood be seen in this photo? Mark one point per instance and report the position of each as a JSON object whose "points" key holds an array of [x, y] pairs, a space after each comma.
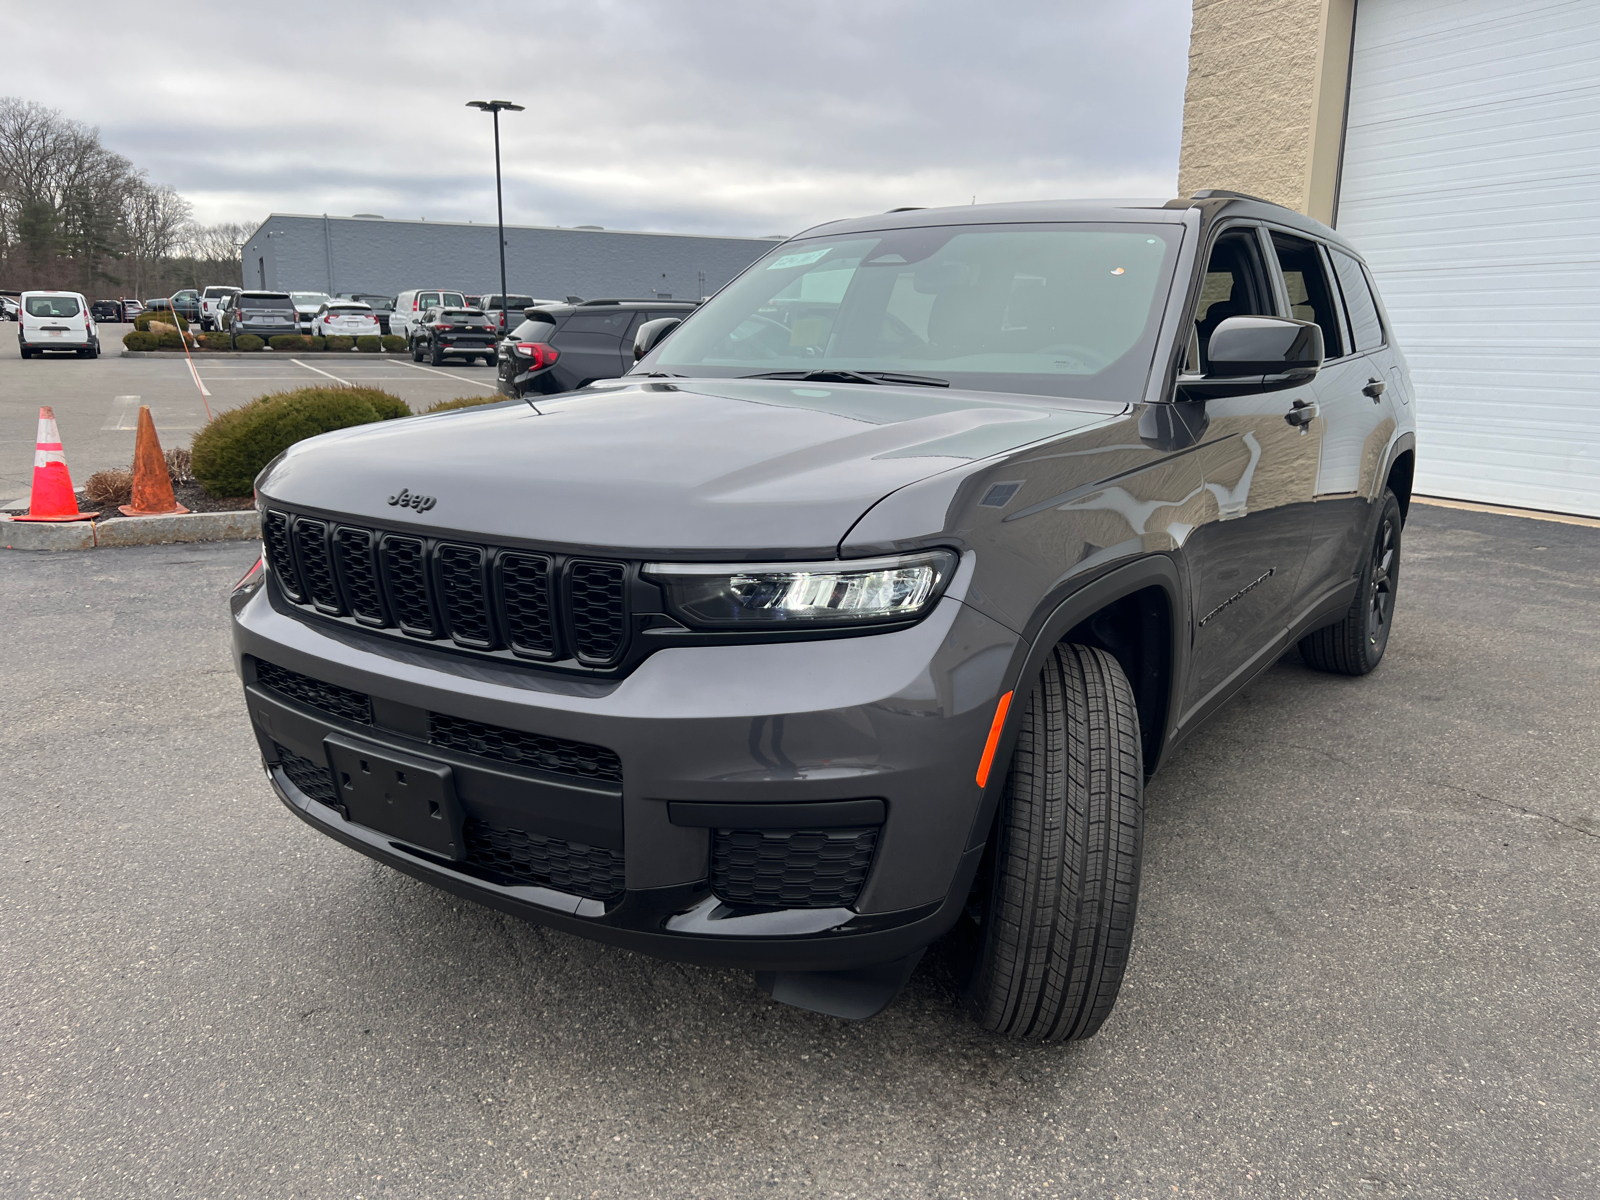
{"points": [[747, 467]]}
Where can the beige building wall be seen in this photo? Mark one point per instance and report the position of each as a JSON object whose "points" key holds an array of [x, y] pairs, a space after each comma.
{"points": [[1264, 109]]}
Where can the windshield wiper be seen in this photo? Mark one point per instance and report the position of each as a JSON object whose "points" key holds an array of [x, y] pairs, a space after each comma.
{"points": [[838, 375]]}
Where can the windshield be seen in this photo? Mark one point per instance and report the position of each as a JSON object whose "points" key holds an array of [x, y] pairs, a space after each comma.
{"points": [[511, 302], [52, 306], [1046, 309], [215, 293], [311, 298]]}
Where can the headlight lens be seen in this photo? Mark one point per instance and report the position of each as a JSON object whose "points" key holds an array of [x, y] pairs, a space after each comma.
{"points": [[856, 592]]}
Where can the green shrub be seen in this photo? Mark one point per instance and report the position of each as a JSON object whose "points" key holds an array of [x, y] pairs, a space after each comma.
{"points": [[339, 342], [231, 451], [140, 341], [369, 343], [289, 341], [171, 340], [394, 343], [141, 323], [318, 343], [463, 402], [215, 341], [248, 341]]}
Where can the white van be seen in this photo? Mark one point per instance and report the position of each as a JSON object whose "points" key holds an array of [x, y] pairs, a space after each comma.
{"points": [[56, 321], [409, 307]]}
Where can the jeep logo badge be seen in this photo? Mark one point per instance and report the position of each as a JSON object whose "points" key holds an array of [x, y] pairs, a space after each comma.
{"points": [[406, 499]]}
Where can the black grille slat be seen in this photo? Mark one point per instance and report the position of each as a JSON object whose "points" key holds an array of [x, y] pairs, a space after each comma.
{"points": [[405, 570], [464, 596], [560, 756], [599, 615], [275, 537], [316, 566], [313, 693], [525, 602], [572, 867], [358, 571], [314, 779], [806, 868], [569, 612]]}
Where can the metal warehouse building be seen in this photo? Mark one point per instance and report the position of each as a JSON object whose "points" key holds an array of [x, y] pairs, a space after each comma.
{"points": [[372, 254], [1457, 144]]}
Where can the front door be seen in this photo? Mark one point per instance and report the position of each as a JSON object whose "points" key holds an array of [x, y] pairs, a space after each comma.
{"points": [[1259, 472]]}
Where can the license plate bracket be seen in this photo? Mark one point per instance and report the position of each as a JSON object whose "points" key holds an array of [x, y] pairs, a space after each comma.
{"points": [[401, 796]]}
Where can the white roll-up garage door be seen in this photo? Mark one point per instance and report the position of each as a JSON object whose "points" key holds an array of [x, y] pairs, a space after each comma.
{"points": [[1471, 181]]}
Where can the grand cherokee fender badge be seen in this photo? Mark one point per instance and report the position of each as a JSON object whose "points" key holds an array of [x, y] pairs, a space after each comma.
{"points": [[405, 499], [1247, 588]]}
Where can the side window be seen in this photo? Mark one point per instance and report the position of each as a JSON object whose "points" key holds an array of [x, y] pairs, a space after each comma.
{"points": [[1235, 286], [427, 300], [1366, 330], [1310, 296], [612, 321]]}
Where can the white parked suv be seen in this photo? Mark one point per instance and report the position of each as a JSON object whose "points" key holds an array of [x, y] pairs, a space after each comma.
{"points": [[211, 306], [345, 318], [56, 321], [409, 307]]}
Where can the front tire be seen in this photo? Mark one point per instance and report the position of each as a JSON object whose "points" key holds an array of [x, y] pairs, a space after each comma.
{"points": [[1064, 876], [1355, 644]]}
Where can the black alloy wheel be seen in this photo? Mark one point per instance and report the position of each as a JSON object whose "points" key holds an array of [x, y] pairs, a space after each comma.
{"points": [[1050, 925], [1354, 645]]}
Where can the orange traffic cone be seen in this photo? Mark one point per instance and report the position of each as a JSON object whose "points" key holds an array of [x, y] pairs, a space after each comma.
{"points": [[52, 498], [152, 482]]}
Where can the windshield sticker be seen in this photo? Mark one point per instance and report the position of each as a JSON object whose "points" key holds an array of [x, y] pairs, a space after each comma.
{"points": [[799, 260]]}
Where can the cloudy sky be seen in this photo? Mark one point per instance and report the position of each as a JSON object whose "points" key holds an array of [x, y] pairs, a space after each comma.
{"points": [[685, 115]]}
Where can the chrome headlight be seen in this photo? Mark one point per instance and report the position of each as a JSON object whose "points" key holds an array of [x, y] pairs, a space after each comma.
{"points": [[855, 592]]}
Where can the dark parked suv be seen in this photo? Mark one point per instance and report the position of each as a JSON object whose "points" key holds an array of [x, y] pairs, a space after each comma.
{"points": [[859, 612], [264, 314], [453, 333], [561, 347]]}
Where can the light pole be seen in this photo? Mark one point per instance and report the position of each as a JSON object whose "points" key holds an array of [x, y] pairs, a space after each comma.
{"points": [[495, 107]]}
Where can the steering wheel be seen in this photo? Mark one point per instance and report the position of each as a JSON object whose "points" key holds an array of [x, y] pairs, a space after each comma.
{"points": [[752, 343]]}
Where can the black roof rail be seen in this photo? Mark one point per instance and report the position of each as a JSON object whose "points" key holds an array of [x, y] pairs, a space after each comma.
{"points": [[1223, 194], [907, 208], [633, 300]]}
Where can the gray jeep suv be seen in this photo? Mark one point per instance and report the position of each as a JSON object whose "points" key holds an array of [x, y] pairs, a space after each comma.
{"points": [[857, 614]]}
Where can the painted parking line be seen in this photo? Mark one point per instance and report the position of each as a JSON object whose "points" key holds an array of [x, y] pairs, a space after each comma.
{"points": [[320, 371], [124, 413], [447, 375]]}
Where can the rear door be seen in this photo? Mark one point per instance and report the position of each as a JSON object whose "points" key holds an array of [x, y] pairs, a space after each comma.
{"points": [[1345, 423], [591, 345]]}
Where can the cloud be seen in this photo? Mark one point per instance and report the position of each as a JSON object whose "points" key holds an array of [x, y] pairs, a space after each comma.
{"points": [[687, 115]]}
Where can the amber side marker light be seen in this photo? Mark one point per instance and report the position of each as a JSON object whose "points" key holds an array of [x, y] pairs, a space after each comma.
{"points": [[987, 760]]}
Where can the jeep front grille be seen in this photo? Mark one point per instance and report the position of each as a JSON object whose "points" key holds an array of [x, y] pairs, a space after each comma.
{"points": [[488, 599]]}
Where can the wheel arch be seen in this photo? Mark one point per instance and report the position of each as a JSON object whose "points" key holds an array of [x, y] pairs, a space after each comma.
{"points": [[1402, 471], [1137, 614]]}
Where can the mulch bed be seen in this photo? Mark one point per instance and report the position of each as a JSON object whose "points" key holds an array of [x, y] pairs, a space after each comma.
{"points": [[191, 495]]}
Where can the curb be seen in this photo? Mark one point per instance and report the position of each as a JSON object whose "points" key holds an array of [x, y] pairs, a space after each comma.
{"points": [[130, 531], [204, 354]]}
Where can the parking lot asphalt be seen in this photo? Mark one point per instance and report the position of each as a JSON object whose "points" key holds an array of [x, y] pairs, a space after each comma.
{"points": [[97, 401], [1365, 962]]}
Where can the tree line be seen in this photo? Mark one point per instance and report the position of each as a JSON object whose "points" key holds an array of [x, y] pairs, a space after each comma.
{"points": [[76, 216]]}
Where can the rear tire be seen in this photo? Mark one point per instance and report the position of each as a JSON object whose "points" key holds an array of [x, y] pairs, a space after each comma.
{"points": [[1355, 644], [434, 357], [1064, 881], [25, 352]]}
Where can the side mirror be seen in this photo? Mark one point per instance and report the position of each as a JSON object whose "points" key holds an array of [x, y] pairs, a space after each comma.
{"points": [[1249, 355], [652, 333]]}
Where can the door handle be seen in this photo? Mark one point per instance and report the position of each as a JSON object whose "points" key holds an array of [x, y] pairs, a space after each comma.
{"points": [[1375, 388], [1302, 414]]}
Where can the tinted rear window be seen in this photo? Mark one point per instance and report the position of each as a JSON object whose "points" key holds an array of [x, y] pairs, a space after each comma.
{"points": [[213, 293], [534, 331], [514, 302], [52, 306]]}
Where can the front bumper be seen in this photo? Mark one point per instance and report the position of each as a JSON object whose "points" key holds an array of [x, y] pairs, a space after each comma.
{"points": [[899, 717]]}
